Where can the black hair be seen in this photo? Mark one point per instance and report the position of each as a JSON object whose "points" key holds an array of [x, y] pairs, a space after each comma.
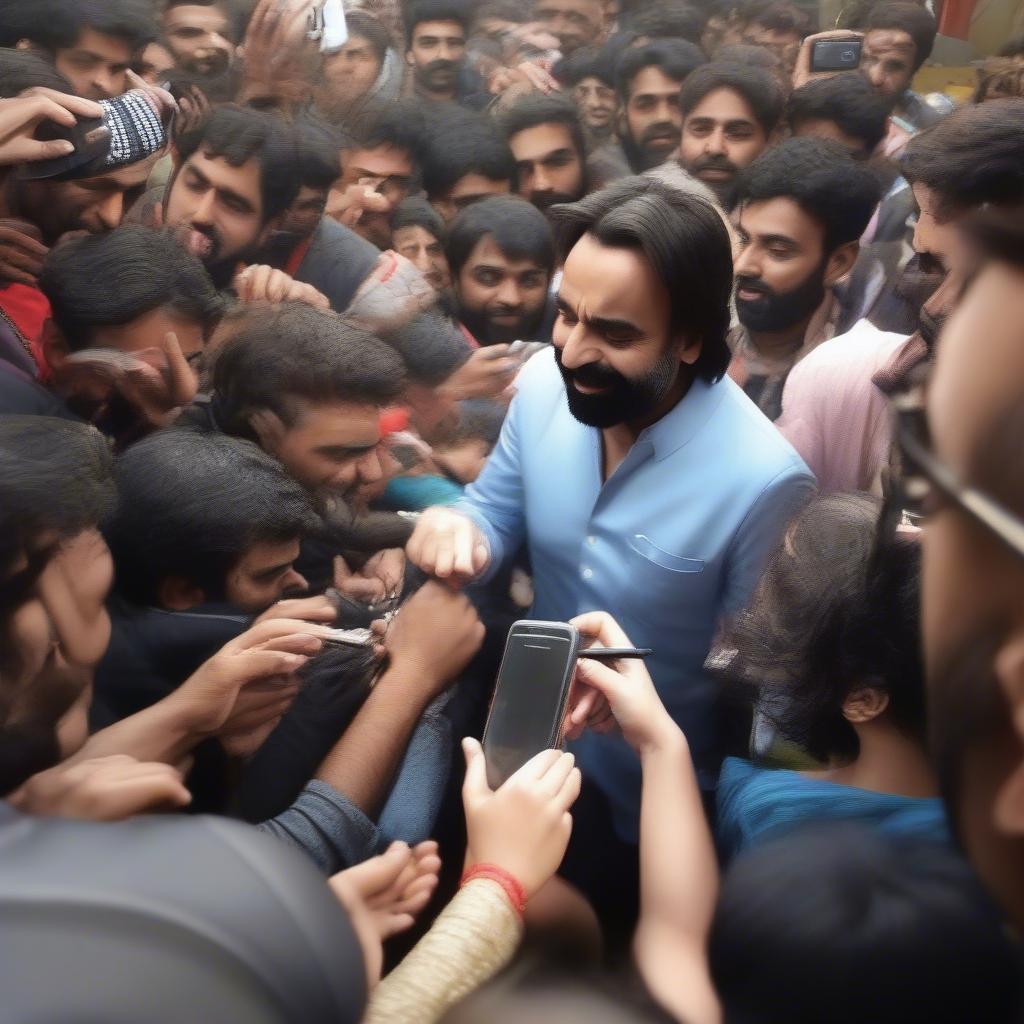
{"points": [[750, 54], [779, 16], [973, 156], [686, 243], [367, 27], [676, 58], [506, 10], [847, 925], [517, 227], [821, 177], [218, 87], [296, 354], [319, 145], [432, 348], [415, 212], [586, 62], [240, 134], [22, 69], [468, 144], [914, 19], [420, 11], [849, 101], [759, 88], [398, 124], [192, 504], [57, 24], [536, 109], [55, 476], [1012, 47], [829, 617], [237, 16], [669, 19], [112, 279], [480, 419]]}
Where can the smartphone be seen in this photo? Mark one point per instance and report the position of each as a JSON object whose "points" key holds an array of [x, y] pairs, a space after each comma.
{"points": [[531, 695], [835, 55]]}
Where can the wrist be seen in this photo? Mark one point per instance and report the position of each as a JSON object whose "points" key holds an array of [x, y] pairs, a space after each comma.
{"points": [[666, 739], [513, 888]]}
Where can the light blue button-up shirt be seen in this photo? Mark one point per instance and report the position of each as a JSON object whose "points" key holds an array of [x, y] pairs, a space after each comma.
{"points": [[676, 536]]}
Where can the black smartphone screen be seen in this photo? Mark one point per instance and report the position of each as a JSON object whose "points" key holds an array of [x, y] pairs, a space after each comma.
{"points": [[529, 700]]}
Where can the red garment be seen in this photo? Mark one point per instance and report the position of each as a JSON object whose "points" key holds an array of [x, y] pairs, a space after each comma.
{"points": [[29, 309]]}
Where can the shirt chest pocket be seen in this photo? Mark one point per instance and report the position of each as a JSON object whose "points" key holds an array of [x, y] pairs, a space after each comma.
{"points": [[648, 551], [665, 583]]}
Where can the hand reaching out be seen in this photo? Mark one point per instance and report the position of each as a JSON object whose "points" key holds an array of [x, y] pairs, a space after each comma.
{"points": [[448, 545], [384, 894], [20, 117], [265, 284], [102, 789], [524, 826]]}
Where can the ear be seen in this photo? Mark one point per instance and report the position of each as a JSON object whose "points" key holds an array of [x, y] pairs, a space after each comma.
{"points": [[409, 57], [54, 345], [272, 225], [269, 429], [1009, 806], [864, 705], [177, 594], [841, 262], [690, 350]]}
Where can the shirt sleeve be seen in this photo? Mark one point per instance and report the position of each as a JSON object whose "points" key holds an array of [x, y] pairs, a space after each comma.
{"points": [[325, 826], [495, 501], [760, 533]]}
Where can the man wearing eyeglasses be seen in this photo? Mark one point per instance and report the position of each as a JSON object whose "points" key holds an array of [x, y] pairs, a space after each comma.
{"points": [[970, 478]]}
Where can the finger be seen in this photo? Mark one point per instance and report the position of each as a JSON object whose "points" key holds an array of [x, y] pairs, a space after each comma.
{"points": [[25, 237], [271, 629], [464, 541], [313, 609], [182, 380], [444, 556], [257, 664], [396, 924], [261, 282], [362, 589], [603, 628], [16, 257], [133, 796], [475, 784], [9, 273], [75, 105], [554, 778], [277, 286], [414, 902], [570, 790], [583, 707], [536, 767], [297, 643]]}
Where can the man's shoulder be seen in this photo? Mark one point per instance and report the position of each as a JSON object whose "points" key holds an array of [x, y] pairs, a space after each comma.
{"points": [[862, 349], [337, 263], [332, 239]]}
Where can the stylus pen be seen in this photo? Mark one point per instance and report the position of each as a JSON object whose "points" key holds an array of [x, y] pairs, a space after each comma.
{"points": [[611, 653]]}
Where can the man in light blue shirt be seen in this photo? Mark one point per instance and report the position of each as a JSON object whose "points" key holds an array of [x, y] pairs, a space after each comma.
{"points": [[644, 482]]}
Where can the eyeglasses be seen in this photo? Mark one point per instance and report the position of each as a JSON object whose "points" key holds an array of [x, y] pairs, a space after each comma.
{"points": [[922, 477]]}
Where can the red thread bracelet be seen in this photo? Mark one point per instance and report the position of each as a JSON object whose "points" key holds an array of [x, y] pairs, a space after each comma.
{"points": [[513, 887]]}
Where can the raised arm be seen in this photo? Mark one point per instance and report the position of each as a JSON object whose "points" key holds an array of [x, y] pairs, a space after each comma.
{"points": [[678, 869]]}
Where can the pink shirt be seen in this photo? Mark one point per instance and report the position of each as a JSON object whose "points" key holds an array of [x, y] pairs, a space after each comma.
{"points": [[834, 416]]}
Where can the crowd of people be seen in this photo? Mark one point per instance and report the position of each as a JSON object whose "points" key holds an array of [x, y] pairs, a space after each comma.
{"points": [[334, 339]]}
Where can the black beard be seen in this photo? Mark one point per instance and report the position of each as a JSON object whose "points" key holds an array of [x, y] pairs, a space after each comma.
{"points": [[626, 399], [640, 158], [545, 200], [480, 325], [428, 74], [775, 312]]}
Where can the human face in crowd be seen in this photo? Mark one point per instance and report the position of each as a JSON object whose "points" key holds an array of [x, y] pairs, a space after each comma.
{"points": [[96, 66], [436, 53], [721, 136], [574, 23], [305, 214], [388, 171], [469, 189], [612, 337], [330, 448], [822, 128], [350, 73], [597, 103], [653, 118], [550, 166], [934, 235], [500, 299], [426, 253], [155, 62], [433, 411], [95, 204], [264, 575], [972, 611], [216, 210], [887, 59], [780, 267], [199, 38]]}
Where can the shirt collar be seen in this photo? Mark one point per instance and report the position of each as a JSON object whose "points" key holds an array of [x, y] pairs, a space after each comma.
{"points": [[684, 420]]}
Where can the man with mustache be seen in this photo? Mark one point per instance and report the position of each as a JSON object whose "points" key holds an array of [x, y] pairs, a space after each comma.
{"points": [[649, 79], [798, 210], [729, 114], [201, 35], [436, 32], [640, 477], [502, 256], [546, 138]]}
